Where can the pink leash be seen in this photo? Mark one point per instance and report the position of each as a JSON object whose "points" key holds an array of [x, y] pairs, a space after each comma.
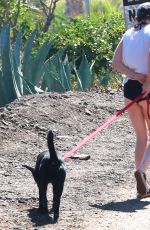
{"points": [[100, 128]]}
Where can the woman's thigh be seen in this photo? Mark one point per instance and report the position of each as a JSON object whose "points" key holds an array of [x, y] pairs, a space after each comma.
{"points": [[143, 105], [136, 116]]}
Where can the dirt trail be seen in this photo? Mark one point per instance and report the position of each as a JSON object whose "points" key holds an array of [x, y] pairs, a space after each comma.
{"points": [[99, 193]]}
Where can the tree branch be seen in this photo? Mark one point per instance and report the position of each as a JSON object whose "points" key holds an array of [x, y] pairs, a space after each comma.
{"points": [[45, 7], [49, 12]]}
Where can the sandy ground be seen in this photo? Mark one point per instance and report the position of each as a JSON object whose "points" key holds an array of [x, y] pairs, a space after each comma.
{"points": [[99, 193]]}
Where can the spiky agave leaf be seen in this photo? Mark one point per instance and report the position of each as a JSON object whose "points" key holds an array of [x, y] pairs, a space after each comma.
{"points": [[3, 92], [104, 82], [38, 62], [16, 63], [85, 73], [26, 68], [79, 82], [6, 64], [67, 70]]}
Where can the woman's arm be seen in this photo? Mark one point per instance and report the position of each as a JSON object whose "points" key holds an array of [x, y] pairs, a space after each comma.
{"points": [[118, 65], [146, 85], [148, 75]]}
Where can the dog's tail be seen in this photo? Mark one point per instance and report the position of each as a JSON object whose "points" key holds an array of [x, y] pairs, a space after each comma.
{"points": [[51, 147], [28, 167]]}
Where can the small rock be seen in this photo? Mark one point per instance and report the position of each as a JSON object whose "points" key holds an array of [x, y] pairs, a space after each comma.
{"points": [[81, 157], [87, 112]]}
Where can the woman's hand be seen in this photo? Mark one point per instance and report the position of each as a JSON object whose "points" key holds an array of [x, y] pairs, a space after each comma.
{"points": [[141, 79]]}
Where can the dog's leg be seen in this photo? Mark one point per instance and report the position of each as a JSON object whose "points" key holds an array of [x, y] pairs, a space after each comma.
{"points": [[43, 198], [58, 185]]}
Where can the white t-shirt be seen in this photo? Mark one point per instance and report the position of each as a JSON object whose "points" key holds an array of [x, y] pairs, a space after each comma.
{"points": [[136, 46]]}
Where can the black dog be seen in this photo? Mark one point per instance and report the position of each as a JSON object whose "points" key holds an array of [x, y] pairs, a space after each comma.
{"points": [[49, 169]]}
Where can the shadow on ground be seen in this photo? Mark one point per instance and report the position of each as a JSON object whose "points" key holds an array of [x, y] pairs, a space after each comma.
{"points": [[39, 219], [124, 206]]}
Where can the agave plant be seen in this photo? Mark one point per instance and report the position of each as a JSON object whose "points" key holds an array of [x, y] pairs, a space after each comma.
{"points": [[57, 73], [21, 73]]}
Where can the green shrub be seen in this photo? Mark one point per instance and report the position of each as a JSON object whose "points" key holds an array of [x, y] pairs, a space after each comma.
{"points": [[97, 37]]}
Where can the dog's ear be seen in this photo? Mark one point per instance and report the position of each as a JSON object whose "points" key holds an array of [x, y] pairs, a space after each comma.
{"points": [[28, 167]]}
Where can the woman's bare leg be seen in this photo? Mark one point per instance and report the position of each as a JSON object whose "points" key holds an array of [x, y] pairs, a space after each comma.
{"points": [[146, 159], [136, 116]]}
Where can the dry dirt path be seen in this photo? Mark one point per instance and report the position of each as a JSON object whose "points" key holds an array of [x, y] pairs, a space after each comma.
{"points": [[99, 193]]}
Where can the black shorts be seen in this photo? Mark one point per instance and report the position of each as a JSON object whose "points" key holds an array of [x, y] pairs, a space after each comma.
{"points": [[132, 89]]}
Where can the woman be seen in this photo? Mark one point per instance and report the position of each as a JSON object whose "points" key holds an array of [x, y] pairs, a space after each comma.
{"points": [[132, 58]]}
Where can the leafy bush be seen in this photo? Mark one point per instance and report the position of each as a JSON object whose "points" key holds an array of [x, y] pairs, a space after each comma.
{"points": [[97, 37]]}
